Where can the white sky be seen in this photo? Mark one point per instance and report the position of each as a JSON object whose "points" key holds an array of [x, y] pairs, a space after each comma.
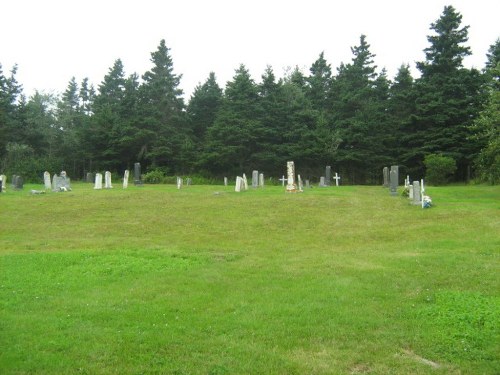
{"points": [[53, 40]]}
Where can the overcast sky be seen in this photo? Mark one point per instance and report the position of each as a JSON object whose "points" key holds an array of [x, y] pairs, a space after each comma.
{"points": [[54, 40]]}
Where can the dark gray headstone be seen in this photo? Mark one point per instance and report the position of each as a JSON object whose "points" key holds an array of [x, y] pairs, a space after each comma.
{"points": [[394, 177], [90, 177], [19, 183], [328, 175], [385, 172], [137, 174], [255, 179]]}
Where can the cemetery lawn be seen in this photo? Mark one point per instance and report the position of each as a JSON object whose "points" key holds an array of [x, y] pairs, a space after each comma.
{"points": [[204, 280]]}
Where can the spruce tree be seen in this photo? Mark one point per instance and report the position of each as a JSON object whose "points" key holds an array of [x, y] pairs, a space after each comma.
{"points": [[448, 97], [162, 111]]}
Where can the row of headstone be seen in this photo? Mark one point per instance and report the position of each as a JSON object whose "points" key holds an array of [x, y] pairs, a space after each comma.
{"points": [[257, 179], [241, 183], [324, 181], [107, 180]]}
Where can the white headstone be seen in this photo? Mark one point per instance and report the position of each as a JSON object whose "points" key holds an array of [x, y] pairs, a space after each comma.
{"points": [[98, 181], [239, 184], [322, 181], [336, 178], [422, 191], [261, 180], [179, 182], [283, 179], [125, 178], [301, 185], [107, 180], [245, 182], [225, 181], [3, 182], [417, 200], [46, 180], [410, 192], [290, 170]]}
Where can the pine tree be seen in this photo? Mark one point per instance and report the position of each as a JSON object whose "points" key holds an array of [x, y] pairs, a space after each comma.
{"points": [[233, 137], [203, 107], [448, 96], [359, 100], [162, 109]]}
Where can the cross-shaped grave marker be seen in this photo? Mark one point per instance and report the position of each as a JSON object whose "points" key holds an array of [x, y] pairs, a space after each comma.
{"points": [[336, 178], [283, 179]]}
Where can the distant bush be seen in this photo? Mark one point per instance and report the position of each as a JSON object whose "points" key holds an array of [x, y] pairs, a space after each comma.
{"points": [[155, 176], [439, 169]]}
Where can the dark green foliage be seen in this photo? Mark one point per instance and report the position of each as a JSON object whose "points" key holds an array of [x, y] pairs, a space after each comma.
{"points": [[356, 120], [486, 129], [439, 168], [448, 96]]}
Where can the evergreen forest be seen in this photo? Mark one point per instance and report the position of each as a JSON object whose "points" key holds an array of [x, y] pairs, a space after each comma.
{"points": [[355, 118]]}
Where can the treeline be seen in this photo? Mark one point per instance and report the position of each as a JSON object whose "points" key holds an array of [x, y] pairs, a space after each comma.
{"points": [[355, 119]]}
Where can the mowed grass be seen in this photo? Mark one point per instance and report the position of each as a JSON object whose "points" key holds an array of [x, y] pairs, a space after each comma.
{"points": [[204, 280]]}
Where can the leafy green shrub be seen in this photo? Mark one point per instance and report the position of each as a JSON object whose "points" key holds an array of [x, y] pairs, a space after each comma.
{"points": [[155, 176], [439, 168]]}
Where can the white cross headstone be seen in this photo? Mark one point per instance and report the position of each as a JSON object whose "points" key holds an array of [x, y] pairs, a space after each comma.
{"points": [[125, 178], [98, 181], [336, 178], [46, 180], [283, 179], [107, 180]]}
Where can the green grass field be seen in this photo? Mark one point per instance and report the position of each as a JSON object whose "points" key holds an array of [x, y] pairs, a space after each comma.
{"points": [[204, 280]]}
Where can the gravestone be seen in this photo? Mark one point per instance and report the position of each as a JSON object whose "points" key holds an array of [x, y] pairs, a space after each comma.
{"points": [[107, 180], [328, 175], [245, 182], [189, 181], [291, 187], [407, 181], [307, 184], [336, 178], [322, 181], [282, 179], [98, 181], [46, 180], [417, 200], [137, 174], [393, 178], [4, 182], [225, 181], [239, 184], [125, 178], [385, 172], [14, 179], [255, 179], [61, 183], [1, 183], [179, 183], [90, 177], [261, 180], [19, 183], [410, 192], [301, 185]]}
